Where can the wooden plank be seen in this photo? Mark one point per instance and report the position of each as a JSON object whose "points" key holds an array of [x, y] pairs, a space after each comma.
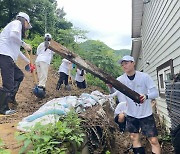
{"points": [[76, 59]]}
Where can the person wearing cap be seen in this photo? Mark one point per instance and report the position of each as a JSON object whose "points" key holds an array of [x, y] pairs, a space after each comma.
{"points": [[43, 60], [139, 116], [10, 43]]}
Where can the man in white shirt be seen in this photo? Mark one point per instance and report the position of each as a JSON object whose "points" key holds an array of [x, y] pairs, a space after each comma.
{"points": [[64, 70], [139, 116], [10, 43], [43, 60], [80, 78]]}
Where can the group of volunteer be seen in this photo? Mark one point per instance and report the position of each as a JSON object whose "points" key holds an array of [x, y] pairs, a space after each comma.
{"points": [[135, 118], [11, 40], [65, 75]]}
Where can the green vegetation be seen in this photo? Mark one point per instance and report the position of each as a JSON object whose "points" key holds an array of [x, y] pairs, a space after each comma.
{"points": [[64, 136], [2, 150], [165, 135]]}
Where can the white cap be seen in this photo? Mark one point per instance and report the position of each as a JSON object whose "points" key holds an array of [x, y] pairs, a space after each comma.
{"points": [[47, 34], [126, 58], [25, 16]]}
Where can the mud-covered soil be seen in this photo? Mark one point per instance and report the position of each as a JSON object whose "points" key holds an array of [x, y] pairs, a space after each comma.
{"points": [[28, 104]]}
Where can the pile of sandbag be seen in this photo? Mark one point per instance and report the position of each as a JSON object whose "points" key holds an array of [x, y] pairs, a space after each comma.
{"points": [[52, 110]]}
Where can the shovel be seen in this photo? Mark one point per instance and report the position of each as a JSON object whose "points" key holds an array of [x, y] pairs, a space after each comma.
{"points": [[37, 91]]}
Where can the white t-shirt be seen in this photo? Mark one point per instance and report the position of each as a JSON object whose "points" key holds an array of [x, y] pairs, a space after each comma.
{"points": [[65, 66], [142, 84], [8, 45], [42, 55], [120, 108], [78, 76], [119, 95]]}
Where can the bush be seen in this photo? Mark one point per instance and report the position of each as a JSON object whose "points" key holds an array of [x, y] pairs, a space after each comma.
{"points": [[64, 136], [91, 80]]}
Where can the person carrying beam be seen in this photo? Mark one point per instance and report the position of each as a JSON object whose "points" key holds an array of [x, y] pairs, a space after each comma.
{"points": [[139, 116], [43, 60]]}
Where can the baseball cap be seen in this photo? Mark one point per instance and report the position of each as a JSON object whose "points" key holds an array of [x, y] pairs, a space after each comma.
{"points": [[25, 16], [126, 58], [47, 34]]}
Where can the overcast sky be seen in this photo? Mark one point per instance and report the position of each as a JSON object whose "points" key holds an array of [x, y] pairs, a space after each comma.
{"points": [[108, 21]]}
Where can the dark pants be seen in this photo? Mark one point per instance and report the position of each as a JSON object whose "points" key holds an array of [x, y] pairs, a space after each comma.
{"points": [[81, 85], [11, 75], [63, 78], [147, 125]]}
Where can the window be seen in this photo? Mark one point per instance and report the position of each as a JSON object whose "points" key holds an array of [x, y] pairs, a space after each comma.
{"points": [[164, 73]]}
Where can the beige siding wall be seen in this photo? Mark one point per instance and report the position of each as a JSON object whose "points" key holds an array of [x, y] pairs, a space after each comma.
{"points": [[160, 41]]}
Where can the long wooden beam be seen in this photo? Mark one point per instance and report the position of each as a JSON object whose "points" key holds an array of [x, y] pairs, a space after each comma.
{"points": [[76, 59]]}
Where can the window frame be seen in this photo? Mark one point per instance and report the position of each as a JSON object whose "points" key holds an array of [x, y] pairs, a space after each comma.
{"points": [[163, 70]]}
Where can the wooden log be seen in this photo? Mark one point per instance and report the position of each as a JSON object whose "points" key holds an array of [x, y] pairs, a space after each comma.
{"points": [[76, 59]]}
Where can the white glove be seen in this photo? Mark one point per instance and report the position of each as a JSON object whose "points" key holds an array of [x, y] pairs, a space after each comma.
{"points": [[26, 46]]}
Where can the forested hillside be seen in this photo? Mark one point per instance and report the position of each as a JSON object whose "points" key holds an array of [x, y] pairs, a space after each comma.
{"points": [[95, 46], [122, 52]]}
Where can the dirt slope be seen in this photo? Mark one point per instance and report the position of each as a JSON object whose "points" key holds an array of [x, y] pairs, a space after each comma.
{"points": [[28, 103]]}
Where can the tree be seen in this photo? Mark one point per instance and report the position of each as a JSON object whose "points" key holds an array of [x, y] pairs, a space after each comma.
{"points": [[44, 15]]}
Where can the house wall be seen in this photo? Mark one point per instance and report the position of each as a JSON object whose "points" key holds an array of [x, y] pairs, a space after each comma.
{"points": [[160, 42]]}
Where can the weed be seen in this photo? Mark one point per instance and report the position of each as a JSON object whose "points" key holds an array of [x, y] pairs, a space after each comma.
{"points": [[64, 136]]}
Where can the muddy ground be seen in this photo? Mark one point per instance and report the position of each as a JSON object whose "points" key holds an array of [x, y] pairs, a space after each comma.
{"points": [[28, 104]]}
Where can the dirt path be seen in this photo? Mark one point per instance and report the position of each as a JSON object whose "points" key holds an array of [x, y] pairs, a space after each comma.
{"points": [[28, 104]]}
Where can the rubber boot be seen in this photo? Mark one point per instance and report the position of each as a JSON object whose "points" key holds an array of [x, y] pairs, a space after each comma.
{"points": [[4, 109], [139, 150]]}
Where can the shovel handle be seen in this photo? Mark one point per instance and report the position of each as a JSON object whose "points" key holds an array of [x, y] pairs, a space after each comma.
{"points": [[34, 77], [31, 62]]}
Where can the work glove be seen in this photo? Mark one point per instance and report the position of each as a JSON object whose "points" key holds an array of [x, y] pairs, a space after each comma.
{"points": [[32, 67], [26, 46], [143, 98]]}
